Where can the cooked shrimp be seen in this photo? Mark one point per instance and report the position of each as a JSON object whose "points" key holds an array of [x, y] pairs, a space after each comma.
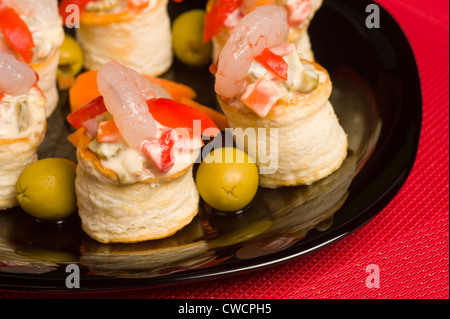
{"points": [[16, 77], [264, 27], [125, 93]]}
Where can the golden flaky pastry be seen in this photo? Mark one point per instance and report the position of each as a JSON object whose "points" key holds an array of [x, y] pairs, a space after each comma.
{"points": [[303, 140], [141, 40]]}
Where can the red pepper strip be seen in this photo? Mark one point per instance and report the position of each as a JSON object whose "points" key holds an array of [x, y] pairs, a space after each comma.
{"points": [[274, 63], [160, 151], [1, 96], [178, 115], [66, 12], [16, 33], [217, 16], [108, 132], [90, 111]]}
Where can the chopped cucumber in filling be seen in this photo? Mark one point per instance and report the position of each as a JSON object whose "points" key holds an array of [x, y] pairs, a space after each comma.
{"points": [[302, 77], [23, 115], [106, 150], [310, 79], [15, 110]]}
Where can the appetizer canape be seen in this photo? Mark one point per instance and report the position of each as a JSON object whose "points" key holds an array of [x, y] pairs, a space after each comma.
{"points": [[187, 249], [261, 83], [135, 33], [33, 32], [22, 123], [135, 159], [223, 15]]}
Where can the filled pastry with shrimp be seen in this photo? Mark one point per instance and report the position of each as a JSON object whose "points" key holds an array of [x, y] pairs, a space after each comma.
{"points": [[33, 32], [22, 123], [135, 159], [279, 103], [223, 15], [135, 33]]}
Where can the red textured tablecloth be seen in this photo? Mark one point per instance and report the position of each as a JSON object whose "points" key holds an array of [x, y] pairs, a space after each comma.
{"points": [[408, 240]]}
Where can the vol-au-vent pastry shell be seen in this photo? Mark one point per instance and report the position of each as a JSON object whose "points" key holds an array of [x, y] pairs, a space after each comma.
{"points": [[15, 155], [47, 71], [18, 147], [112, 212], [310, 142], [142, 42]]}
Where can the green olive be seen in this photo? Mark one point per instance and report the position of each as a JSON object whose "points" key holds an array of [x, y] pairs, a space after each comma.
{"points": [[187, 38], [46, 189], [71, 58], [227, 179]]}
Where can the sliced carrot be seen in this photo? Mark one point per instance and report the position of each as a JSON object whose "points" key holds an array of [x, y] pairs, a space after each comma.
{"points": [[74, 138], [218, 118], [65, 82], [133, 7], [108, 132], [84, 90], [91, 18], [175, 89]]}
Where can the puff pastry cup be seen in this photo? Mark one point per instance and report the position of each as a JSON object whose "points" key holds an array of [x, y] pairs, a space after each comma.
{"points": [[140, 40], [298, 33], [112, 212], [135, 156], [15, 155], [18, 153], [310, 141]]}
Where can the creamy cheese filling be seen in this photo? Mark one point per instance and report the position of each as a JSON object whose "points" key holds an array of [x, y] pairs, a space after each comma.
{"points": [[302, 78], [22, 116], [47, 36], [142, 43], [117, 6], [132, 165]]}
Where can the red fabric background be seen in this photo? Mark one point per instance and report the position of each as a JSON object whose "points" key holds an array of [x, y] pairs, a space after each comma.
{"points": [[408, 240]]}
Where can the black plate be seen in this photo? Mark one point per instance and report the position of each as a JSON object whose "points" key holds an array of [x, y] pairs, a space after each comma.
{"points": [[377, 97]]}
